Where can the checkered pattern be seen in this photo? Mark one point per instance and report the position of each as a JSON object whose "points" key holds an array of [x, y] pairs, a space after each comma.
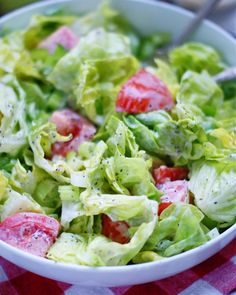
{"points": [[215, 276]]}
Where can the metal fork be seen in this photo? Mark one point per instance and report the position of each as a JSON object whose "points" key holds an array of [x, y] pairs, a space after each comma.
{"points": [[204, 11]]}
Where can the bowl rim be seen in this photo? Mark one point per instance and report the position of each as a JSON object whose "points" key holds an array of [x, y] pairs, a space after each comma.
{"points": [[173, 7], [128, 268], [103, 269]]}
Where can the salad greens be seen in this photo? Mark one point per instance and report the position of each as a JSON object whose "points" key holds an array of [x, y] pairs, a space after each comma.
{"points": [[195, 57], [213, 187], [94, 71], [13, 129], [97, 250], [84, 141], [179, 229]]}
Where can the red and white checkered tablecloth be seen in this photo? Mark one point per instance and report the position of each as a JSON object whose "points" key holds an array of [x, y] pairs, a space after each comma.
{"points": [[215, 276]]}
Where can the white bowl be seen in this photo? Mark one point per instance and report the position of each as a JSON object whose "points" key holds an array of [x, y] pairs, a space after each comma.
{"points": [[147, 17]]}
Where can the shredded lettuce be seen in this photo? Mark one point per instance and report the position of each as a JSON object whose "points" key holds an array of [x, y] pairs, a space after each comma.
{"points": [[3, 186], [150, 132], [16, 202], [196, 57], [167, 74], [94, 70], [71, 205], [95, 249], [40, 141], [201, 91], [178, 230], [13, 126], [213, 186], [11, 47], [110, 176], [43, 25]]}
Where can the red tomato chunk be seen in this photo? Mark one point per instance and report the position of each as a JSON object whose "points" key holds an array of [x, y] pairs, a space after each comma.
{"points": [[144, 92], [32, 232], [163, 206], [164, 174], [174, 191], [63, 36], [117, 231], [69, 122]]}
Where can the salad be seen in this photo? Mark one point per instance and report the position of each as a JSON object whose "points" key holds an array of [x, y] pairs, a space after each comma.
{"points": [[107, 155]]}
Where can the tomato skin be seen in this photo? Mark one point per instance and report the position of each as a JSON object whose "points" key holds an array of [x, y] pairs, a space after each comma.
{"points": [[62, 36], [117, 231], [163, 206], [69, 122], [31, 232], [164, 174], [144, 92]]}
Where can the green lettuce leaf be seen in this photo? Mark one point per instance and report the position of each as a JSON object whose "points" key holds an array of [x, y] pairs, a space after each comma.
{"points": [[224, 138], [117, 165], [146, 256], [109, 19], [130, 176], [25, 67], [216, 135], [229, 89], [85, 224], [3, 186], [71, 205], [22, 180], [94, 71], [13, 127], [44, 62], [11, 47], [167, 74], [151, 129], [178, 230], [213, 186], [7, 162], [40, 141], [149, 44], [96, 47], [226, 115], [17, 202], [43, 25], [196, 57], [120, 139], [41, 99], [15, 59], [201, 91], [36, 182], [95, 249], [91, 174]]}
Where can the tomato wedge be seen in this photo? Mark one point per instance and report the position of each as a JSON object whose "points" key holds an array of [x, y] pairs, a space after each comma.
{"points": [[32, 232], [117, 231], [164, 174], [144, 92], [174, 191], [62, 36], [163, 206], [69, 122]]}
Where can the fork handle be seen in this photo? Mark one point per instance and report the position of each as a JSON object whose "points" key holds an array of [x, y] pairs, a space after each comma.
{"points": [[204, 11], [228, 74]]}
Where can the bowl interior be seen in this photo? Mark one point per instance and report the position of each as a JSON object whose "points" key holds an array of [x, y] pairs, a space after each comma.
{"points": [[147, 17]]}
